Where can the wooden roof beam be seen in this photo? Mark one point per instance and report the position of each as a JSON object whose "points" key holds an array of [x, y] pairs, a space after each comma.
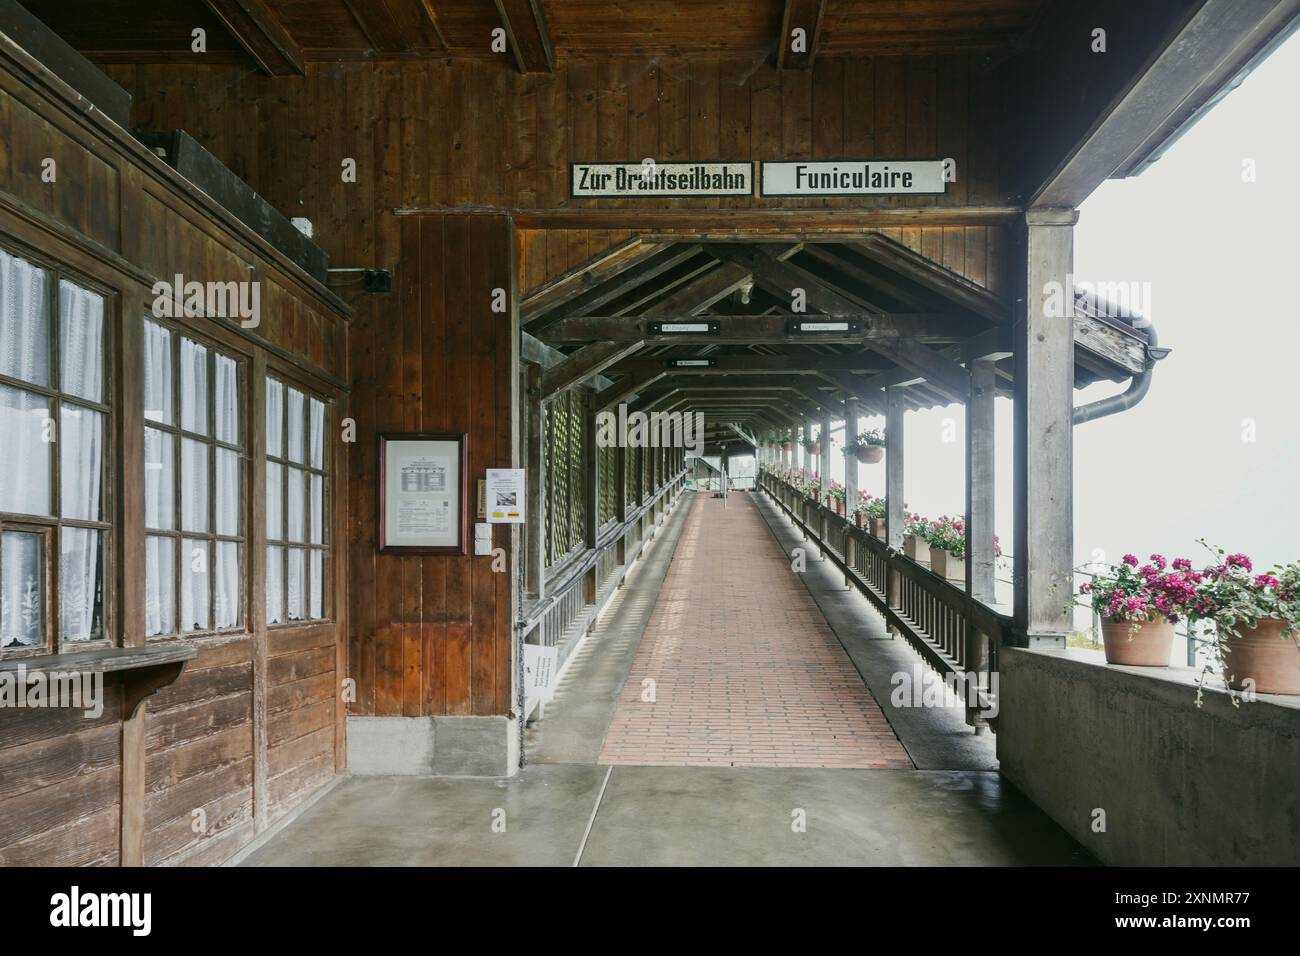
{"points": [[256, 29], [530, 40], [750, 329], [783, 278], [583, 364], [797, 49]]}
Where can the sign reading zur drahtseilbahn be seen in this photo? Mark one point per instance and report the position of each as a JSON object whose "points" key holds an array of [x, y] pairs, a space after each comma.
{"points": [[648, 179]]}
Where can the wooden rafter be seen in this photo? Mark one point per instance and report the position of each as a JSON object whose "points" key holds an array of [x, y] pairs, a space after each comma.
{"points": [[748, 329], [256, 29], [398, 28], [805, 15], [530, 41], [584, 364]]}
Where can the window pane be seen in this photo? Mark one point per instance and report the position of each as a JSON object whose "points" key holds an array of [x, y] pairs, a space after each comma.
{"points": [[274, 501], [25, 468], [81, 585], [227, 400], [159, 586], [159, 480], [274, 418], [317, 434], [317, 605], [24, 320], [296, 584], [81, 341], [228, 492], [194, 485], [22, 592], [81, 460], [295, 425], [159, 398], [228, 604], [194, 387], [317, 510], [296, 504], [274, 585], [195, 589]]}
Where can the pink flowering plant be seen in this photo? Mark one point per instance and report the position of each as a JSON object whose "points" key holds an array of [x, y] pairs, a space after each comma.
{"points": [[948, 534], [1236, 597], [836, 491], [1140, 593], [872, 436], [917, 526]]}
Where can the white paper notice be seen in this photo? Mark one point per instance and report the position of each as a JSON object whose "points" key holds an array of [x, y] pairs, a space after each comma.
{"points": [[506, 492], [422, 494]]}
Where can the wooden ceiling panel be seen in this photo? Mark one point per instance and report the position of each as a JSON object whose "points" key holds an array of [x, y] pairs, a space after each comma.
{"points": [[578, 29]]}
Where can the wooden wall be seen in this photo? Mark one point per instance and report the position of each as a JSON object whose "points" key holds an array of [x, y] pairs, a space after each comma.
{"points": [[433, 635], [252, 726]]}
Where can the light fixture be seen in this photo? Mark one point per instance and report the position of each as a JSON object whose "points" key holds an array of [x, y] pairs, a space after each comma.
{"points": [[692, 363]]}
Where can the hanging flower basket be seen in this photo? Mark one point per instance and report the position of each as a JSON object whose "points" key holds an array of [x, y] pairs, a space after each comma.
{"points": [[1138, 643], [787, 446], [869, 454], [1265, 655], [815, 448]]}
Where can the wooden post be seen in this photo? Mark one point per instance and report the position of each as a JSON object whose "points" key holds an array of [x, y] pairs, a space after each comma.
{"points": [[895, 513], [850, 461], [981, 564], [1044, 436], [824, 466], [536, 554]]}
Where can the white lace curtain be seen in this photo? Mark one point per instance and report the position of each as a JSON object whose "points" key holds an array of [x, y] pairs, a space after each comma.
{"points": [[24, 354], [81, 462]]}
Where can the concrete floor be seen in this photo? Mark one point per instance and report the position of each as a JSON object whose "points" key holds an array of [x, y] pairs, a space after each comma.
{"points": [[564, 809]]}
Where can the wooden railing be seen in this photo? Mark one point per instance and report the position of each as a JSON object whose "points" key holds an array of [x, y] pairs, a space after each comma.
{"points": [[577, 588], [956, 635]]}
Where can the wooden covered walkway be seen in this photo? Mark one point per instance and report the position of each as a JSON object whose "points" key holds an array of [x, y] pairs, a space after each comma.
{"points": [[738, 667]]}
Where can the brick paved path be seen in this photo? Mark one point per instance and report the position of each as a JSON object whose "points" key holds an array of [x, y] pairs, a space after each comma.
{"points": [[747, 672]]}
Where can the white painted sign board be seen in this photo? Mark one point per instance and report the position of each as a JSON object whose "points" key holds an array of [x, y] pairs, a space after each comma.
{"points": [[659, 180], [853, 178], [539, 674]]}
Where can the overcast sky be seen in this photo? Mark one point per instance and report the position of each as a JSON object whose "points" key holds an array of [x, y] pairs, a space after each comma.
{"points": [[1222, 257]]}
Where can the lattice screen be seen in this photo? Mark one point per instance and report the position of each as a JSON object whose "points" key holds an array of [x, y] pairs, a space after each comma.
{"points": [[607, 479], [565, 497]]}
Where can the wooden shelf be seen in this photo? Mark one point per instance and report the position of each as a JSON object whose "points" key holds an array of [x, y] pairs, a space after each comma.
{"points": [[143, 670]]}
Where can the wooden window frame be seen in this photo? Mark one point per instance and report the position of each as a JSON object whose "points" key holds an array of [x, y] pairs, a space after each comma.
{"points": [[176, 533], [52, 525], [306, 546]]}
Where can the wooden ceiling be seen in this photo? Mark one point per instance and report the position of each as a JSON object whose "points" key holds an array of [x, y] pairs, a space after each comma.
{"points": [[541, 32], [912, 326]]}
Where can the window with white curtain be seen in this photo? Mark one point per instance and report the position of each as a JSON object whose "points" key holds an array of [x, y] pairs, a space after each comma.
{"points": [[54, 419], [194, 467], [297, 476]]}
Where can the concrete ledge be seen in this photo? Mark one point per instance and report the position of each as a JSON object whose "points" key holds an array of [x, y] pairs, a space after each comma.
{"points": [[433, 746], [1179, 785]]}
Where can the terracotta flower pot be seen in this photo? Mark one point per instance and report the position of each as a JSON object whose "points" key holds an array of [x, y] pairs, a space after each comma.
{"points": [[869, 454], [788, 446], [878, 528], [815, 448], [861, 518], [916, 547], [947, 566], [1264, 656], [1149, 645]]}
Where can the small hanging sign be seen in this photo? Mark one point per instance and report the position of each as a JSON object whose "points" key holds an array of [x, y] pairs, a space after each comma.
{"points": [[853, 178], [649, 179]]}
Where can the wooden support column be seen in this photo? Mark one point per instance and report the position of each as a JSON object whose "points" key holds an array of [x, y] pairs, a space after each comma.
{"points": [[980, 475], [824, 466], [894, 511], [850, 461], [536, 465], [1044, 435]]}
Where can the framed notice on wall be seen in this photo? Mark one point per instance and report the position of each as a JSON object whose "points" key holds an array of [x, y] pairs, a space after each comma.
{"points": [[422, 493]]}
